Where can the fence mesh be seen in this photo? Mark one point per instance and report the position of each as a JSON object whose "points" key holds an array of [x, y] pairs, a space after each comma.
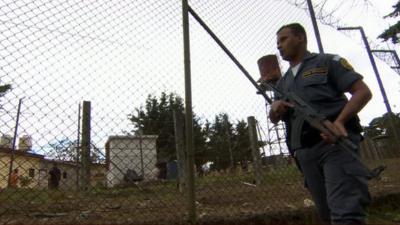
{"points": [[92, 126]]}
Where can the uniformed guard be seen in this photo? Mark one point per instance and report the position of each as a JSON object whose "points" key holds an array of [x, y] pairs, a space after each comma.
{"points": [[336, 181]]}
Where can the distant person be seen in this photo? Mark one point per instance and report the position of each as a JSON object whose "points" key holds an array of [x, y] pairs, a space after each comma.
{"points": [[55, 176], [14, 179]]}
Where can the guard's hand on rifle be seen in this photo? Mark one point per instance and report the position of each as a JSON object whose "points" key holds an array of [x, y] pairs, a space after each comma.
{"points": [[336, 129], [278, 109]]}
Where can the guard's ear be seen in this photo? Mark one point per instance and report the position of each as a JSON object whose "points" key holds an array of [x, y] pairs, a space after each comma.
{"points": [[301, 37]]}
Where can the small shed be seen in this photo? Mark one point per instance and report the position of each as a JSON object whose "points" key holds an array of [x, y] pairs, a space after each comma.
{"points": [[127, 155]]}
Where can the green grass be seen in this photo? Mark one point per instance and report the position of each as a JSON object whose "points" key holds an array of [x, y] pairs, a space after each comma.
{"points": [[272, 176], [224, 197], [20, 195]]}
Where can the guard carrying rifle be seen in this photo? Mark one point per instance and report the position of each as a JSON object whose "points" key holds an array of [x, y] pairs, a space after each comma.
{"points": [[322, 126], [323, 131]]}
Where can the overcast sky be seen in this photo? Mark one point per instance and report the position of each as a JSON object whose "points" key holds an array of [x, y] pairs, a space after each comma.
{"points": [[115, 53]]}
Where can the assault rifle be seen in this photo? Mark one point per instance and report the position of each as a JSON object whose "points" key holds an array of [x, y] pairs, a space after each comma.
{"points": [[303, 112]]}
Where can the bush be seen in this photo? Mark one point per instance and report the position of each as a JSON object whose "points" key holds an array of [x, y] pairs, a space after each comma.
{"points": [[24, 181]]}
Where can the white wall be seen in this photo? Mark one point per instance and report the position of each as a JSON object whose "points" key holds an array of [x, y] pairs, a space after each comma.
{"points": [[125, 153]]}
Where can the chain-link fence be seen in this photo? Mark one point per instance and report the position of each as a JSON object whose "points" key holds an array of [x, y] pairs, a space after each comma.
{"points": [[92, 120]]}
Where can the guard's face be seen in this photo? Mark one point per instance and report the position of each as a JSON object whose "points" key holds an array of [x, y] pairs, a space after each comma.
{"points": [[288, 44]]}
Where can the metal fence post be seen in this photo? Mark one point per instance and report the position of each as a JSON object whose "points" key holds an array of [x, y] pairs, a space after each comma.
{"points": [[315, 26], [374, 67], [188, 114], [378, 78], [141, 151]]}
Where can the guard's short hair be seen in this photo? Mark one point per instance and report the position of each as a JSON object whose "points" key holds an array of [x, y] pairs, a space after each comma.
{"points": [[296, 29]]}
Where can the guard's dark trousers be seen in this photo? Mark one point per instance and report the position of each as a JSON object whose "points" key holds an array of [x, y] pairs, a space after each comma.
{"points": [[337, 183]]}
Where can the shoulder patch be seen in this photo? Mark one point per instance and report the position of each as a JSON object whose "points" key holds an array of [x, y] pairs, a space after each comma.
{"points": [[345, 64]]}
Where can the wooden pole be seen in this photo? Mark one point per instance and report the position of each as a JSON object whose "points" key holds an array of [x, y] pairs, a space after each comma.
{"points": [[255, 151], [14, 142], [85, 146], [180, 148], [78, 148]]}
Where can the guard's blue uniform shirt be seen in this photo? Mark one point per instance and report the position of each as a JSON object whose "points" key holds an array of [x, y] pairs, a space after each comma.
{"points": [[321, 81]]}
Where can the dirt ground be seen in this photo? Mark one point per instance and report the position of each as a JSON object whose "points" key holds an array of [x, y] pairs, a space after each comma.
{"points": [[220, 199]]}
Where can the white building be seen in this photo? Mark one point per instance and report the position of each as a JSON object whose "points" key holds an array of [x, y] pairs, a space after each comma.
{"points": [[135, 153]]}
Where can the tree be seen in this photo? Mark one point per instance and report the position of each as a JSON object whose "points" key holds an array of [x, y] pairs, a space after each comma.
{"points": [[66, 150], [227, 144], [199, 141], [242, 149], [393, 31], [4, 89], [96, 155], [63, 150], [220, 142], [156, 118]]}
